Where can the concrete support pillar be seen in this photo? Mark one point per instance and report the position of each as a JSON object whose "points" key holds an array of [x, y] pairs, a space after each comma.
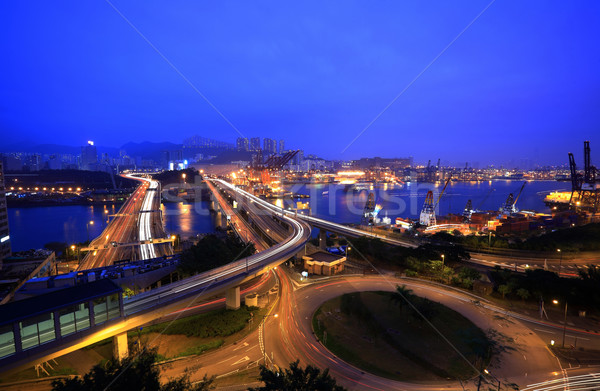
{"points": [[120, 348], [218, 218], [232, 298], [322, 239]]}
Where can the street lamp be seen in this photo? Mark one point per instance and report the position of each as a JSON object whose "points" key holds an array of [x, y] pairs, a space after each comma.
{"points": [[565, 320], [183, 176], [443, 260], [560, 263], [87, 228], [264, 339]]}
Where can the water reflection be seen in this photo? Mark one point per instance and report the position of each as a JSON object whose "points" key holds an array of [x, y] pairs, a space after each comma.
{"points": [[186, 219]]}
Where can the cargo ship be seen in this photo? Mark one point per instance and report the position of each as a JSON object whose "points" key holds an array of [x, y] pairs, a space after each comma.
{"points": [[559, 200]]}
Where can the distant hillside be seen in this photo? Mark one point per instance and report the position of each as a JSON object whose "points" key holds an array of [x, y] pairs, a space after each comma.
{"points": [[231, 156], [149, 150], [52, 149], [67, 178]]}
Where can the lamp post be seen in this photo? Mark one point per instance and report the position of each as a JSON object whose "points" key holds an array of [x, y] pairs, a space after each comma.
{"points": [[87, 228], [265, 340], [565, 321], [443, 260], [560, 262], [174, 238], [183, 177]]}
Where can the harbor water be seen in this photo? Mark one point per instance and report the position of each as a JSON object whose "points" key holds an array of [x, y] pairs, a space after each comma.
{"points": [[32, 227]]}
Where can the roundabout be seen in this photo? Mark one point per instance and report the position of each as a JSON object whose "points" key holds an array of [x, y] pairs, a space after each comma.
{"points": [[520, 358], [401, 336]]}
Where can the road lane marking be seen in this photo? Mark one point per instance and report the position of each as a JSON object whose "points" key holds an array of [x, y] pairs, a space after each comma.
{"points": [[227, 359], [241, 360], [574, 336], [545, 331], [242, 346]]}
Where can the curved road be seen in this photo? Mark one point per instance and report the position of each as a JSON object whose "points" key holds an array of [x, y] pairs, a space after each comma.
{"points": [[526, 361]]}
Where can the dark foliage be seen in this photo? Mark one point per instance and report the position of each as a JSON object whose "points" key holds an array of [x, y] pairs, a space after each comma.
{"points": [[581, 293], [175, 177], [136, 372], [297, 379], [211, 252], [376, 250], [58, 247], [582, 238]]}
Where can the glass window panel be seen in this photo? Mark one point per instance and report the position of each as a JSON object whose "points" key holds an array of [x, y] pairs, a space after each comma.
{"points": [[100, 311], [7, 341], [67, 320], [46, 329], [113, 306], [29, 335], [82, 316], [37, 330]]}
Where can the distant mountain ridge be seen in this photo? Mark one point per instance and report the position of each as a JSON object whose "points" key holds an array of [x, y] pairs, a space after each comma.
{"points": [[148, 149]]}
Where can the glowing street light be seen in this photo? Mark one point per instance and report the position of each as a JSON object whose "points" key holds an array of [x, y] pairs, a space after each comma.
{"points": [[565, 321], [87, 228]]}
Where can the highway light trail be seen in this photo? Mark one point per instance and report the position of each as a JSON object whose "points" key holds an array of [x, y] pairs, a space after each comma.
{"points": [[589, 381], [147, 251], [214, 277], [337, 227]]}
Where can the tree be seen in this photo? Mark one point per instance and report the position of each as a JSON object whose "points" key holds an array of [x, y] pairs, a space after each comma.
{"points": [[297, 379], [440, 270], [504, 289], [466, 276], [135, 372], [523, 293], [401, 295], [57, 247], [211, 252]]}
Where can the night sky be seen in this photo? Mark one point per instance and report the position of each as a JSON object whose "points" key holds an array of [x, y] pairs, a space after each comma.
{"points": [[522, 81]]}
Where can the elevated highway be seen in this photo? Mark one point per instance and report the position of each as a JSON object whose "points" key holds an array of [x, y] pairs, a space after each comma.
{"points": [[155, 304], [517, 261], [138, 221]]}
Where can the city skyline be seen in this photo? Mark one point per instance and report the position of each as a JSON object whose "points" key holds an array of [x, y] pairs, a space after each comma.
{"points": [[493, 82]]}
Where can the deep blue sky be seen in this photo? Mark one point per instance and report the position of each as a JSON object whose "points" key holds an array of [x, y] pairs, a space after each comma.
{"points": [[522, 82]]}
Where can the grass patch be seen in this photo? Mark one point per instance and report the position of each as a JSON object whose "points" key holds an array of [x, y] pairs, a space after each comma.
{"points": [[369, 331], [199, 349], [218, 323]]}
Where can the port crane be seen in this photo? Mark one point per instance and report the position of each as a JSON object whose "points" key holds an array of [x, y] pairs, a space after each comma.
{"points": [[585, 192], [509, 206], [370, 211], [427, 216], [468, 212], [273, 163]]}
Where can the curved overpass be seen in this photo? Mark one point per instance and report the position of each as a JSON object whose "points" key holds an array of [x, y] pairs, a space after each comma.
{"points": [[518, 262], [315, 221], [145, 307]]}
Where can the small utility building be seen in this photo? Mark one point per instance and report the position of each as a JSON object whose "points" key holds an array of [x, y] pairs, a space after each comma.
{"points": [[324, 263]]}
